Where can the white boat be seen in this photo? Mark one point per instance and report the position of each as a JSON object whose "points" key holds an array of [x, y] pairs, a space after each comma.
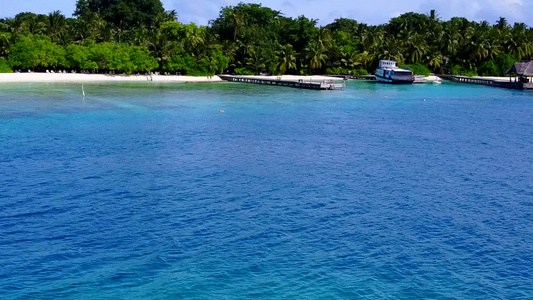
{"points": [[388, 72]]}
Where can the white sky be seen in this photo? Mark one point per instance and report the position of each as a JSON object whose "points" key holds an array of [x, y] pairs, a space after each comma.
{"points": [[371, 12]]}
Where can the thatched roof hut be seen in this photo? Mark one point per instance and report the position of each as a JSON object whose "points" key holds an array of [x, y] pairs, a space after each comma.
{"points": [[524, 68]]}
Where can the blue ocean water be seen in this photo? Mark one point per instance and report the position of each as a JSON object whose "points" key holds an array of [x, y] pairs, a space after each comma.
{"points": [[148, 191]]}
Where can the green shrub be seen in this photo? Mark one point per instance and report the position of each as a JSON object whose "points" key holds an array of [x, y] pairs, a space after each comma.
{"points": [[418, 69], [497, 66], [331, 71], [343, 71], [202, 68], [359, 72], [244, 71], [488, 68], [186, 64], [337, 71], [460, 70], [36, 51], [504, 62], [4, 67], [219, 61]]}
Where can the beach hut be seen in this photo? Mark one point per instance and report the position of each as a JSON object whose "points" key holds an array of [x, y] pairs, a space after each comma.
{"points": [[523, 69]]}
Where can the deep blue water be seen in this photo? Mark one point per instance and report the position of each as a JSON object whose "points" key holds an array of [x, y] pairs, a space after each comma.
{"points": [[149, 192]]}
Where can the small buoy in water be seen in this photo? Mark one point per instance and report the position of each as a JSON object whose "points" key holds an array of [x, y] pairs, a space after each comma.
{"points": [[221, 111], [424, 99]]}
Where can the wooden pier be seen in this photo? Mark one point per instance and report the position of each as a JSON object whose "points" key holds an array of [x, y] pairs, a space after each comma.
{"points": [[420, 79], [515, 85], [355, 77], [300, 84]]}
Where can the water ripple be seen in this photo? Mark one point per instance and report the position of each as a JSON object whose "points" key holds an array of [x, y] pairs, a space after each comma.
{"points": [[150, 193]]}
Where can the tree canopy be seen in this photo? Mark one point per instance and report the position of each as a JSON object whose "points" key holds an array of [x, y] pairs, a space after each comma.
{"points": [[136, 36], [122, 13]]}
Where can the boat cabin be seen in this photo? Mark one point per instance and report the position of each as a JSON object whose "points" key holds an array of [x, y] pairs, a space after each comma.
{"points": [[388, 64]]}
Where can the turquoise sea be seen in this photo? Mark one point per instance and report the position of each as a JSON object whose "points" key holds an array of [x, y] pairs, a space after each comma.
{"points": [[149, 191]]}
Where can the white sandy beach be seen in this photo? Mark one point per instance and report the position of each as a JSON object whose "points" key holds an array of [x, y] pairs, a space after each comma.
{"points": [[77, 77]]}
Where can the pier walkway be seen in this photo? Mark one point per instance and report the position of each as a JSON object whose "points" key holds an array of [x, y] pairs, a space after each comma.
{"points": [[301, 84], [355, 77], [490, 82]]}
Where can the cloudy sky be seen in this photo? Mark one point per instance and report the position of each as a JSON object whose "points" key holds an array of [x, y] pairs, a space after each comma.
{"points": [[367, 11]]}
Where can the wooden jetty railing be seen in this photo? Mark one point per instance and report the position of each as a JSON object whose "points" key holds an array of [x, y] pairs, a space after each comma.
{"points": [[489, 82], [326, 85], [355, 77]]}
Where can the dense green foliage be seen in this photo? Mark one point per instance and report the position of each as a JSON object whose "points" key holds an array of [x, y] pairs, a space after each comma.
{"points": [[418, 69], [138, 36], [121, 13], [39, 53], [4, 67], [244, 71]]}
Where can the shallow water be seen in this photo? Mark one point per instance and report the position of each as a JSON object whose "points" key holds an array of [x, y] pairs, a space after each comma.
{"points": [[148, 191]]}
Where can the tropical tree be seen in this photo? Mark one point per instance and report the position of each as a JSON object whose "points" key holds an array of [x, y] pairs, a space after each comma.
{"points": [[316, 56], [287, 58], [122, 36], [36, 52], [255, 61], [416, 48], [122, 13], [57, 27]]}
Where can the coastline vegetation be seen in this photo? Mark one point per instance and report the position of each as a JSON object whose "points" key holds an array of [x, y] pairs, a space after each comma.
{"points": [[139, 36]]}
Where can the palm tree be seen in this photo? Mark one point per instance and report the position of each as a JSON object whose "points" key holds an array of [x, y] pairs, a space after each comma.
{"points": [[237, 20], [194, 41], [366, 59], [140, 35], [287, 58], [324, 37], [315, 55], [57, 26], [519, 44], [449, 42], [255, 61], [417, 48], [502, 24], [5, 42], [433, 16], [246, 49], [391, 51], [92, 26], [350, 59], [161, 46], [434, 59], [229, 48]]}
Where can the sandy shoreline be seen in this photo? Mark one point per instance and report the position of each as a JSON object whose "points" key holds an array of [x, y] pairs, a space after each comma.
{"points": [[76, 77], [80, 78]]}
